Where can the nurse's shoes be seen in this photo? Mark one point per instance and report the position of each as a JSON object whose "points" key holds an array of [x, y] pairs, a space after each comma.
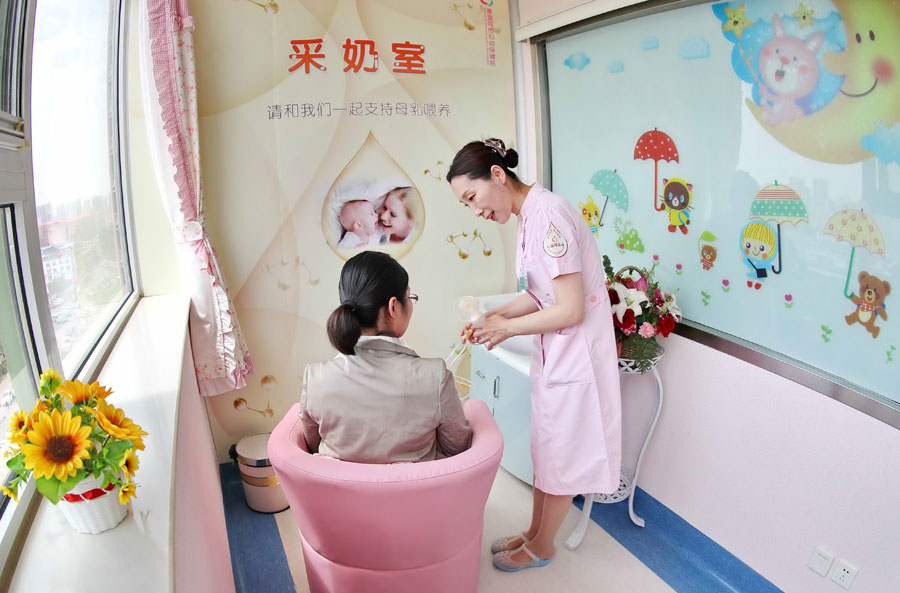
{"points": [[508, 543], [503, 560]]}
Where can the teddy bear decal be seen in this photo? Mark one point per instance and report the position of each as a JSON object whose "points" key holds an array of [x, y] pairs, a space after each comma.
{"points": [[869, 303]]}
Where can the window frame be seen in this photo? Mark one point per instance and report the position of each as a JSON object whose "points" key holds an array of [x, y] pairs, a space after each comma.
{"points": [[33, 300]]}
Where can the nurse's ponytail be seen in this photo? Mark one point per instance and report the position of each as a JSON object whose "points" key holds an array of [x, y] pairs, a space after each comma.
{"points": [[368, 281], [475, 159]]}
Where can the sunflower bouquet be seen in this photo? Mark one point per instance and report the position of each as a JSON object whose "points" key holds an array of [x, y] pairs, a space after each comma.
{"points": [[73, 434]]}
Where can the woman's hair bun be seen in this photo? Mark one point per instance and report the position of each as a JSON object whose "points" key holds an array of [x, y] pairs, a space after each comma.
{"points": [[512, 158]]}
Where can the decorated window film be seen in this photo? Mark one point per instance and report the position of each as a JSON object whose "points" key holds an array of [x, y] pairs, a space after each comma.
{"points": [[751, 150]]}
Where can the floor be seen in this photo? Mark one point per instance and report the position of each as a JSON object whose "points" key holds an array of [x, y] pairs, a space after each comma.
{"points": [[667, 556], [599, 564]]}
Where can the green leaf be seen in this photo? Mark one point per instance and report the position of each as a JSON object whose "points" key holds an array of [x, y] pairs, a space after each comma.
{"points": [[115, 451], [17, 464], [110, 477], [53, 489]]}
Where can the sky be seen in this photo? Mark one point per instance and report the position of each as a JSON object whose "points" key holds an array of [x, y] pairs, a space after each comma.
{"points": [[70, 135]]}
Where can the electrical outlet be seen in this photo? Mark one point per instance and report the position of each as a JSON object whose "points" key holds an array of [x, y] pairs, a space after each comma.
{"points": [[820, 561], [843, 573]]}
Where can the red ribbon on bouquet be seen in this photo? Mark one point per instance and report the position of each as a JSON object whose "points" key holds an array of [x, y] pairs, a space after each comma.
{"points": [[90, 494]]}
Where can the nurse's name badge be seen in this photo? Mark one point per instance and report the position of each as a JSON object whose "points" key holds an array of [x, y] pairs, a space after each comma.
{"points": [[555, 244]]}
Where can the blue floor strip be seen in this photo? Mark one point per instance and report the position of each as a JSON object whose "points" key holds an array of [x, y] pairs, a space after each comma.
{"points": [[257, 554], [683, 557]]}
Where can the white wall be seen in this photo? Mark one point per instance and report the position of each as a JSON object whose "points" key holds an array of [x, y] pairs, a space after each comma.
{"points": [[153, 239], [539, 16], [768, 468], [535, 10]]}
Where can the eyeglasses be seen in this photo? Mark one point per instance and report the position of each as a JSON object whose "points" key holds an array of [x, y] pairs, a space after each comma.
{"points": [[413, 297]]}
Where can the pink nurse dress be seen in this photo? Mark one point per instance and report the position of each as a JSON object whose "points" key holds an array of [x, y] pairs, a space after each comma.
{"points": [[576, 407]]}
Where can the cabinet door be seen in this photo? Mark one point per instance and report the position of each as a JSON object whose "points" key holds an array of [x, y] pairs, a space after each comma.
{"points": [[484, 376], [507, 392], [512, 411]]}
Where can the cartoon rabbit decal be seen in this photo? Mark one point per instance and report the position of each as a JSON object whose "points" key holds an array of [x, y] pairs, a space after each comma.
{"points": [[789, 71]]}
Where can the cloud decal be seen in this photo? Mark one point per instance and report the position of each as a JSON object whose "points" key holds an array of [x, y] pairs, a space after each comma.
{"points": [[577, 61], [884, 143], [617, 66], [695, 48], [649, 43]]}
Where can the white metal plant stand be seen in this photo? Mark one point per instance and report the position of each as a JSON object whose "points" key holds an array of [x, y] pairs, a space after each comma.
{"points": [[626, 486]]}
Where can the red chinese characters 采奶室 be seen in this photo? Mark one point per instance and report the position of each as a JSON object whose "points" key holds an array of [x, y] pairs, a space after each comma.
{"points": [[311, 51], [356, 53], [408, 58], [359, 54]]}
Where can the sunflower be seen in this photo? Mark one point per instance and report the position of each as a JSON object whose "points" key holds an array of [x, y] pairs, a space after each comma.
{"points": [[129, 463], [10, 493], [18, 427], [127, 492], [114, 422], [57, 446], [100, 391], [77, 392], [35, 414]]}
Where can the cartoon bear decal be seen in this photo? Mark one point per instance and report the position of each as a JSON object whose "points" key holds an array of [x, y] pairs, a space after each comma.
{"points": [[869, 303]]}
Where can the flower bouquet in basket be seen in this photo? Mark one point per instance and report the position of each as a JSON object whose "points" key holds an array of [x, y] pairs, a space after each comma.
{"points": [[641, 311], [79, 448]]}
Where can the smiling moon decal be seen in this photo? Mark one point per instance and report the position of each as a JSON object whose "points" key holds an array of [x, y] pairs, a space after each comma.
{"points": [[869, 96]]}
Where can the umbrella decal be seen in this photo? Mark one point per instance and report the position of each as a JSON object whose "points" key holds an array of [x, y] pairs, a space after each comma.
{"points": [[859, 229], [611, 186], [658, 146], [778, 204]]}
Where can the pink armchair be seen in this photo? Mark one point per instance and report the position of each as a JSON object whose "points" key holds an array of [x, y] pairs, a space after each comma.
{"points": [[400, 528]]}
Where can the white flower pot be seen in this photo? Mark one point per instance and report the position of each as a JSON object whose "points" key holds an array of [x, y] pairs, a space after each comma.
{"points": [[93, 511]]}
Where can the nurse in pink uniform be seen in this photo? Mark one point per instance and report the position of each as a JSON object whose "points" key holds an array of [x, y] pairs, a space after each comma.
{"points": [[576, 439]]}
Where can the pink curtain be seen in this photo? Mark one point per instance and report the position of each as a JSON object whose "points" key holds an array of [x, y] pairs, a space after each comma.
{"points": [[221, 359]]}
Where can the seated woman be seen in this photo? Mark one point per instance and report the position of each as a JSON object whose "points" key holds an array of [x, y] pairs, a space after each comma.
{"points": [[377, 401]]}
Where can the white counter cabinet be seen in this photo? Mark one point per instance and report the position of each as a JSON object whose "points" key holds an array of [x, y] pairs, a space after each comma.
{"points": [[501, 379]]}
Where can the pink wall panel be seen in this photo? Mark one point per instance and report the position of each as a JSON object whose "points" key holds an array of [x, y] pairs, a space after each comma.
{"points": [[202, 558]]}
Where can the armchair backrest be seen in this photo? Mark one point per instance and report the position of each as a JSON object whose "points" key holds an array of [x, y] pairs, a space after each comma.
{"points": [[388, 517]]}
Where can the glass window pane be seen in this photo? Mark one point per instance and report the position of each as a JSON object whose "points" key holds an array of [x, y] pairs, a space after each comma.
{"points": [[76, 176], [17, 384]]}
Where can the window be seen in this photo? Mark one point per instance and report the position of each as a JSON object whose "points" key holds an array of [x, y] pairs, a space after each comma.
{"points": [[796, 218], [66, 279], [76, 174]]}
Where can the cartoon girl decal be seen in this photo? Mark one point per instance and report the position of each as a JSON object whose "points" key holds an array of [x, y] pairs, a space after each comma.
{"points": [[759, 247]]}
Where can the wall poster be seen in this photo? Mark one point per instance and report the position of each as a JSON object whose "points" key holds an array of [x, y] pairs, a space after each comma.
{"points": [[327, 128]]}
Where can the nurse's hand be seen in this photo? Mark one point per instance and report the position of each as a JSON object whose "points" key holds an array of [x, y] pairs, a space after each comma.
{"points": [[491, 331]]}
